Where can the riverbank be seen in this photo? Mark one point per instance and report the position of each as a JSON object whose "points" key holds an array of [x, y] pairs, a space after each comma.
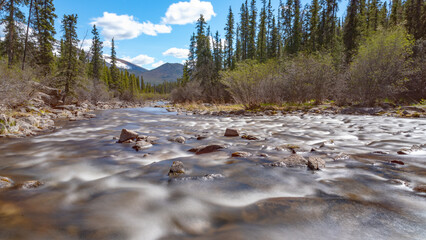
{"points": [[385, 109]]}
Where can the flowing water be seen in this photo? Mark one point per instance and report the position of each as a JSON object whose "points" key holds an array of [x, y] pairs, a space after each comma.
{"points": [[98, 189]]}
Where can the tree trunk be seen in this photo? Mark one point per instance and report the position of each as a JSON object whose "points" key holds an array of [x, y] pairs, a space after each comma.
{"points": [[26, 36], [11, 32]]}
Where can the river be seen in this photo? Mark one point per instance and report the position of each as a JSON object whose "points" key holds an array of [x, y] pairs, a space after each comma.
{"points": [[96, 188]]}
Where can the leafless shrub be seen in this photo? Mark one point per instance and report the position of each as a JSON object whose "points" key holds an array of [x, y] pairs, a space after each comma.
{"points": [[191, 92]]}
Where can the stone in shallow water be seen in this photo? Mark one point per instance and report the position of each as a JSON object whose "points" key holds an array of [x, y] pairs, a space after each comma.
{"points": [[231, 133], [420, 188], [176, 169], [294, 160], [5, 182], [249, 137], [30, 185], [316, 163], [206, 149], [241, 154], [127, 135], [179, 139], [141, 145]]}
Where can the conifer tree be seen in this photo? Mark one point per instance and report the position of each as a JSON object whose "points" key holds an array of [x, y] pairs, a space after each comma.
{"points": [[114, 83], [351, 29], [68, 67], [262, 35], [244, 30], [12, 16], [229, 40], [96, 52], [252, 26], [396, 13], [313, 37], [204, 67], [43, 24], [238, 48], [217, 53], [296, 37], [274, 41]]}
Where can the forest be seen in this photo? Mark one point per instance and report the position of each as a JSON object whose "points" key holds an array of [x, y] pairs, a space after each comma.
{"points": [[29, 52], [375, 53]]}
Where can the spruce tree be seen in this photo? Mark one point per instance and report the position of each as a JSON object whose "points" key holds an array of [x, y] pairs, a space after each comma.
{"points": [[114, 83], [204, 67], [68, 68], [252, 26], [396, 13], [313, 37], [229, 38], [96, 52], [262, 35], [351, 30], [244, 30], [296, 31]]}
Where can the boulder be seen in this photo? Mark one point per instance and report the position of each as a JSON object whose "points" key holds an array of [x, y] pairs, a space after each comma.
{"points": [[231, 133], [127, 135], [206, 149], [316, 163], [176, 169], [141, 145], [241, 154], [5, 182]]}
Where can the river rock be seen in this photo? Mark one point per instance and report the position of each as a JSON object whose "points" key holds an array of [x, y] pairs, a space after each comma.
{"points": [[206, 149], [249, 137], [176, 169], [231, 133], [30, 185], [5, 182], [420, 188], [241, 154], [398, 162], [127, 135], [316, 163], [290, 147], [293, 160], [179, 139], [141, 145]]}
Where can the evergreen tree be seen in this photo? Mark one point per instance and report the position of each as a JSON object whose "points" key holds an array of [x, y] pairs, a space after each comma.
{"points": [[383, 16], [96, 52], [262, 35], [238, 49], [287, 17], [229, 37], [217, 53], [313, 37], [43, 24], [68, 67], [396, 13], [351, 29], [13, 15], [114, 83], [252, 26], [296, 37], [244, 30], [274, 41], [26, 35]]}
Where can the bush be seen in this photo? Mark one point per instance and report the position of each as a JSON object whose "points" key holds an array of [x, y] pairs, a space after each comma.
{"points": [[378, 70], [416, 85], [308, 77], [191, 92], [252, 83]]}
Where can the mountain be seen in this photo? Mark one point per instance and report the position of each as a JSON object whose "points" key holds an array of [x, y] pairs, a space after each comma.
{"points": [[168, 72]]}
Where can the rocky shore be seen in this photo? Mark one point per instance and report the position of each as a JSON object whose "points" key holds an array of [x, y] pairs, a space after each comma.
{"points": [[385, 109], [44, 109]]}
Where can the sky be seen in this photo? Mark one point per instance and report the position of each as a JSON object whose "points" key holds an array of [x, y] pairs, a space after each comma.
{"points": [[149, 33]]}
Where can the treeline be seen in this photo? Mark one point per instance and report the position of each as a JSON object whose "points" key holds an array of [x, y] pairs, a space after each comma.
{"points": [[30, 52], [376, 52]]}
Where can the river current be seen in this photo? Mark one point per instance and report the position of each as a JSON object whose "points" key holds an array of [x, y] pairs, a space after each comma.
{"points": [[96, 188]]}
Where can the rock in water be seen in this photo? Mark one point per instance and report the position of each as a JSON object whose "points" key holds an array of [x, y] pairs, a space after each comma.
{"points": [[249, 137], [141, 145], [176, 169], [5, 182], [241, 154], [294, 160], [206, 149], [316, 163], [127, 135], [30, 185], [231, 133], [179, 139]]}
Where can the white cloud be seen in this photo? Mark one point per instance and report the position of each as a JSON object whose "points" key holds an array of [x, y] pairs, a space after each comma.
{"points": [[182, 13], [177, 52], [123, 27], [85, 45], [108, 44], [157, 64], [140, 60]]}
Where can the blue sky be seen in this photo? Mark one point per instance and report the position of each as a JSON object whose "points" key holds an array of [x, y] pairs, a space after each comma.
{"points": [[149, 33]]}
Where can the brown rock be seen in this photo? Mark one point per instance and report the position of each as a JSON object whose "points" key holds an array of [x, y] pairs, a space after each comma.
{"points": [[241, 154], [420, 188], [316, 163], [397, 162], [249, 137], [179, 139], [176, 169], [293, 160], [30, 185], [206, 149], [141, 145], [231, 133], [127, 135]]}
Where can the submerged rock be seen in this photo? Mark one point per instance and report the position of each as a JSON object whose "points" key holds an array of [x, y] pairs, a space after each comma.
{"points": [[141, 145], [249, 137], [316, 163], [206, 149], [293, 160], [289, 147], [30, 185], [176, 169], [6, 182], [179, 139], [241, 154], [127, 135], [231, 132], [398, 162], [420, 188]]}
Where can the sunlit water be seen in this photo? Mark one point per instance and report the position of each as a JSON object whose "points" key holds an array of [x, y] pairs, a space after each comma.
{"points": [[98, 189]]}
